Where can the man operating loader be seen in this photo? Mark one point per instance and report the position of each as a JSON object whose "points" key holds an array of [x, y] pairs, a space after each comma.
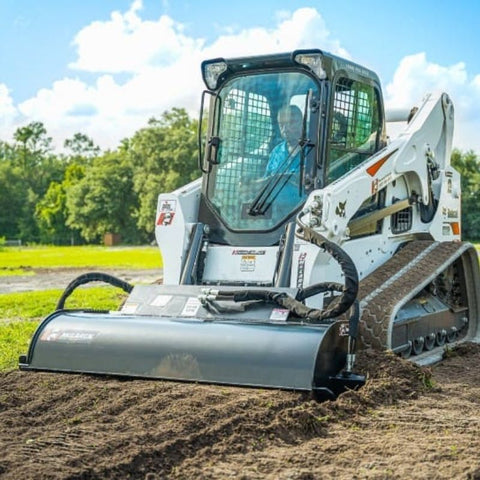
{"points": [[284, 160], [290, 124]]}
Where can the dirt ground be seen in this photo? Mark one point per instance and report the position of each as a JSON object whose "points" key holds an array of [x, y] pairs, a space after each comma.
{"points": [[59, 278], [406, 422]]}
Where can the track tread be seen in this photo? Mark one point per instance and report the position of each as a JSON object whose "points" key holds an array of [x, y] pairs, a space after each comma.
{"points": [[386, 288]]}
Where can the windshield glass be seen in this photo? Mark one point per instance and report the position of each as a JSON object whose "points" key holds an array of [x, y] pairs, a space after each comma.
{"points": [[257, 181]]}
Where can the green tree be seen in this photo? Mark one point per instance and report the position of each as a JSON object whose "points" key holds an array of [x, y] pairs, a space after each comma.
{"points": [[34, 163], [51, 211], [103, 200], [32, 148], [50, 197], [81, 147], [468, 165], [164, 157], [7, 152], [12, 200]]}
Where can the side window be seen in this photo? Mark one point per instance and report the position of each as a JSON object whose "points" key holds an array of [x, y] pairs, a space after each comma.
{"points": [[355, 127]]}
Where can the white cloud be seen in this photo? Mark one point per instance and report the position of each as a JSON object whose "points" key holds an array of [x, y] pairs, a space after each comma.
{"points": [[160, 67], [71, 106], [305, 28], [8, 111], [126, 43], [416, 76], [164, 68]]}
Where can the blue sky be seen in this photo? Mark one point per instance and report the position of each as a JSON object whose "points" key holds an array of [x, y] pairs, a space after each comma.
{"points": [[105, 67]]}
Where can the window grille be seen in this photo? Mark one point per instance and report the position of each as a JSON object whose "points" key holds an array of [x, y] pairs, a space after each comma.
{"points": [[355, 126], [246, 133], [401, 221]]}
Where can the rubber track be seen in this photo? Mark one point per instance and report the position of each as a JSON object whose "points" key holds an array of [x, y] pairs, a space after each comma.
{"points": [[382, 292]]}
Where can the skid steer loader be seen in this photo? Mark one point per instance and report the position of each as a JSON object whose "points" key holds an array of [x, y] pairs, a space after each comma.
{"points": [[309, 232]]}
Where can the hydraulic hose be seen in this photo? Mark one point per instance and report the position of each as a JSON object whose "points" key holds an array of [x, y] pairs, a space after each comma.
{"points": [[349, 291], [92, 277], [343, 302]]}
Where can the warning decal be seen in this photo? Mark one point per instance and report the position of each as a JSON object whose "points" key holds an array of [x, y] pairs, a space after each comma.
{"points": [[129, 308], [191, 307], [279, 314], [161, 300], [247, 263]]}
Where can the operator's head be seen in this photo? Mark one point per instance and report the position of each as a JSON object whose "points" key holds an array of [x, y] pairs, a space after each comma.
{"points": [[290, 123]]}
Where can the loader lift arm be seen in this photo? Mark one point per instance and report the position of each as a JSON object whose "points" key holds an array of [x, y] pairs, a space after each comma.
{"points": [[405, 156]]}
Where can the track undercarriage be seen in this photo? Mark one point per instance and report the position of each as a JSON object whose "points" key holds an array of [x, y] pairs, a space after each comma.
{"points": [[421, 299]]}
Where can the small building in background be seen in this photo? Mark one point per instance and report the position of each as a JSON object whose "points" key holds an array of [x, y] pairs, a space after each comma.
{"points": [[112, 239]]}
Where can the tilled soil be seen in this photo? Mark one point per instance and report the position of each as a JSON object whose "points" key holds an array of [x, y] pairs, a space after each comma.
{"points": [[406, 422]]}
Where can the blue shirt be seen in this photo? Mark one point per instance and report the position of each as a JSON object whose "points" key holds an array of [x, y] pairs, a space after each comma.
{"points": [[279, 156], [288, 197]]}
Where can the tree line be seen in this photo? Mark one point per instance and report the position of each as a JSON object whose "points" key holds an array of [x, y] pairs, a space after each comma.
{"points": [[78, 196]]}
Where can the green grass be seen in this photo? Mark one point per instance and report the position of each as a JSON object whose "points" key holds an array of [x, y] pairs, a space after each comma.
{"points": [[35, 305], [14, 340], [24, 258], [24, 310]]}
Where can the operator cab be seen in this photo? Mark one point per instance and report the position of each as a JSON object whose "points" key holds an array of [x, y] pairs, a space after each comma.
{"points": [[280, 126]]}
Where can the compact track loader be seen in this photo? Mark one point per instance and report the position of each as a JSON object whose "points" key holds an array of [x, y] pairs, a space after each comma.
{"points": [[309, 233]]}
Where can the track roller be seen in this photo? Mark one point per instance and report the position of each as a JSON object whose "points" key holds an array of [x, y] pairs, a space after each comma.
{"points": [[430, 341], [441, 337], [417, 345], [452, 334]]}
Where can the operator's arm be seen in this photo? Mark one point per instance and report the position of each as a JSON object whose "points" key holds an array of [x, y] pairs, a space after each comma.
{"points": [[277, 157]]}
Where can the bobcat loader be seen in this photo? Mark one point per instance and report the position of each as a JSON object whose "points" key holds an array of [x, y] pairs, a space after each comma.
{"points": [[276, 269]]}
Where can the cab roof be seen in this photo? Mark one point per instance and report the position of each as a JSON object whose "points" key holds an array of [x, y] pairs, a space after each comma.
{"points": [[331, 64]]}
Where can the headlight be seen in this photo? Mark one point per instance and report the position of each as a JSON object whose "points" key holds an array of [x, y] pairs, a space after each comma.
{"points": [[313, 60], [211, 71]]}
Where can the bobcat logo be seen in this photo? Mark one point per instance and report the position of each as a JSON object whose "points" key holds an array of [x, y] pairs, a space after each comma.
{"points": [[340, 210]]}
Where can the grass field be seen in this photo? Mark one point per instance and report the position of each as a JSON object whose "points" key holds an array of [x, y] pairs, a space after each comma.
{"points": [[20, 260], [21, 312]]}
